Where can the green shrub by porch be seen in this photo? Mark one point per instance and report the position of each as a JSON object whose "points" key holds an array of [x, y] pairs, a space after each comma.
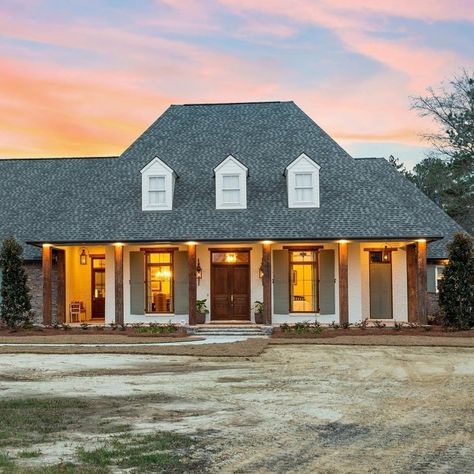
{"points": [[456, 288], [15, 301]]}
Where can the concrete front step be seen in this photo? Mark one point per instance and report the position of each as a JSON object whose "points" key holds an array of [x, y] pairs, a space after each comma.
{"points": [[230, 331]]}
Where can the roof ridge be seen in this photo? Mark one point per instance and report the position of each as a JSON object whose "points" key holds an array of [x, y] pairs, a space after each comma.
{"points": [[235, 103], [59, 158]]}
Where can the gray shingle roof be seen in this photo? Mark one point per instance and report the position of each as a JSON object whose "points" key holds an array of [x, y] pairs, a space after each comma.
{"points": [[99, 199]]}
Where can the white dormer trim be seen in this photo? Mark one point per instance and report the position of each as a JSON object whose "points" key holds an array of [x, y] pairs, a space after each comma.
{"points": [[302, 178], [231, 184], [158, 181]]}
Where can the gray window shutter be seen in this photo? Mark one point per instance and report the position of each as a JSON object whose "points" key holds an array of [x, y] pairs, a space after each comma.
{"points": [[181, 283], [281, 289], [327, 282], [380, 278], [431, 278], [137, 283]]}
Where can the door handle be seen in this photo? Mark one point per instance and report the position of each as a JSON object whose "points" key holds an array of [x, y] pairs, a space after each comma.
{"points": [[231, 298]]}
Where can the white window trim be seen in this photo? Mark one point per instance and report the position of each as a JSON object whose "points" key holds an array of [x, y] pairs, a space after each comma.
{"points": [[302, 165], [149, 191], [157, 169], [311, 187], [238, 189], [231, 167]]}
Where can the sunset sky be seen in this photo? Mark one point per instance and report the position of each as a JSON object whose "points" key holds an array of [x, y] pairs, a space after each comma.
{"points": [[80, 78]]}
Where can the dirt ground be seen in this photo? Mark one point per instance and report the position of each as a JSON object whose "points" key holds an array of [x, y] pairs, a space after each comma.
{"points": [[294, 408]]}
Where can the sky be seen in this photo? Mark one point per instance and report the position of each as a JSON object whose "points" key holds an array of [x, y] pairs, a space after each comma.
{"points": [[86, 78]]}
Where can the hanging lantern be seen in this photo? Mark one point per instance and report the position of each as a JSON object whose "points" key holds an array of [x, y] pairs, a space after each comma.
{"points": [[83, 257], [198, 272]]}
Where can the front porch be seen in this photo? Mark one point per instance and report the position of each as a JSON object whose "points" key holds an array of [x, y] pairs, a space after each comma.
{"points": [[342, 281]]}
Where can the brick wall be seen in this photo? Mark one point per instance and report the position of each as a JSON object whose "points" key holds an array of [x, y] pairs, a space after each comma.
{"points": [[35, 284]]}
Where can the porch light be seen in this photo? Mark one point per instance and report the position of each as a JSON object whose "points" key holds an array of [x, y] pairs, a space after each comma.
{"points": [[198, 272], [386, 254], [83, 257], [230, 257]]}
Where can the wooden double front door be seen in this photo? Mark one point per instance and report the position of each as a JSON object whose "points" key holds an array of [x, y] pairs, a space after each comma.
{"points": [[230, 292]]}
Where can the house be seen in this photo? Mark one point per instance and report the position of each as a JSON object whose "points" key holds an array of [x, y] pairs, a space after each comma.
{"points": [[232, 203]]}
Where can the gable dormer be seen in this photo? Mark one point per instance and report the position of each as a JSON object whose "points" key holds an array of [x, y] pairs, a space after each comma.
{"points": [[158, 181], [231, 184], [302, 179]]}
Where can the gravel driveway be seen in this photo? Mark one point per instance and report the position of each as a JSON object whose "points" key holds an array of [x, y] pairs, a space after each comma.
{"points": [[295, 408]]}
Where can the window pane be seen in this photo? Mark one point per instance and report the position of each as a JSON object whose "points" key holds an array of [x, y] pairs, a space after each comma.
{"points": [[159, 283], [157, 183], [303, 256], [304, 194], [231, 197], [303, 180], [230, 182], [303, 287], [157, 197], [98, 262], [159, 257]]}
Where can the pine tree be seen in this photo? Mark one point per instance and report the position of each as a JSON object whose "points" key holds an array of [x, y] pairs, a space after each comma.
{"points": [[456, 288], [16, 300]]}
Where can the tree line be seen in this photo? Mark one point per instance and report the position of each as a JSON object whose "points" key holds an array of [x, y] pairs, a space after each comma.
{"points": [[446, 175]]}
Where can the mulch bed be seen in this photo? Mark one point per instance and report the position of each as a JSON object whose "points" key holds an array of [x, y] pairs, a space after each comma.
{"points": [[90, 331], [435, 331]]}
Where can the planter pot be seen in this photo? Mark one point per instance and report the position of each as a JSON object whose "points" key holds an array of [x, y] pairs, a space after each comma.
{"points": [[258, 318], [200, 318]]}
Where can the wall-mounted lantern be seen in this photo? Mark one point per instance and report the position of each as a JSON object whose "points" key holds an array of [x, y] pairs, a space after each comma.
{"points": [[83, 257], [386, 254], [198, 272]]}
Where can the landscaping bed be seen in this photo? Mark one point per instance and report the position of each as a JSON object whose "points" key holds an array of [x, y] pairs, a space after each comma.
{"points": [[311, 330], [97, 332]]}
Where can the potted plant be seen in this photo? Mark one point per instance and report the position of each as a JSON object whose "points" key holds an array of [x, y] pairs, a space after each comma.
{"points": [[258, 307], [201, 311]]}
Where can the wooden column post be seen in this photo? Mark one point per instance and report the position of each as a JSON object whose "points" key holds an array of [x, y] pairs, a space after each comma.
{"points": [[47, 284], [411, 282], [421, 282], [118, 259], [192, 288], [267, 283], [61, 286], [343, 284]]}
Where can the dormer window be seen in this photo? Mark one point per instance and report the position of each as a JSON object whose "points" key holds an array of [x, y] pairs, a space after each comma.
{"points": [[302, 177], [158, 181], [157, 190], [231, 189], [231, 184]]}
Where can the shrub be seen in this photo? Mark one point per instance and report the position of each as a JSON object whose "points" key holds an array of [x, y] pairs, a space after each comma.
{"points": [[305, 327], [379, 324], [15, 309], [456, 288], [334, 325], [345, 325], [362, 324]]}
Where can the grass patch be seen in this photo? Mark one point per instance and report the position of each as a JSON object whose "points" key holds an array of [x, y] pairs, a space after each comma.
{"points": [[25, 422], [29, 421], [6, 463], [157, 452], [29, 454]]}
